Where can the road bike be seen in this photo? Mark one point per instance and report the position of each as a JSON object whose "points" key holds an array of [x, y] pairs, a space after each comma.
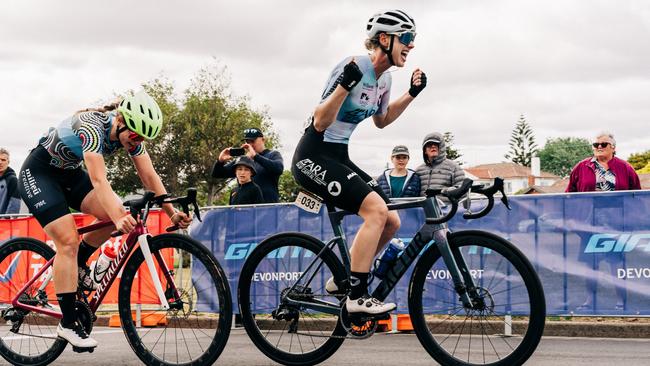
{"points": [[191, 303], [473, 298]]}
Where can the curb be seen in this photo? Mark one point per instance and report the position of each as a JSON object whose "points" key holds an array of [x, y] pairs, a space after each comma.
{"points": [[552, 328]]}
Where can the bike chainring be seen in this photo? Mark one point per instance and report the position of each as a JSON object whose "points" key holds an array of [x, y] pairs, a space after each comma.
{"points": [[358, 326], [85, 316]]}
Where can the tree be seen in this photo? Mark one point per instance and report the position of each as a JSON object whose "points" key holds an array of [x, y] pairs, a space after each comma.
{"points": [[207, 119], [645, 169], [452, 152], [522, 143], [639, 160], [288, 187], [560, 155]]}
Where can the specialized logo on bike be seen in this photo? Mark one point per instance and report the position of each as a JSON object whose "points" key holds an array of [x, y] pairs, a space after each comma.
{"points": [[101, 287], [312, 170], [334, 188]]}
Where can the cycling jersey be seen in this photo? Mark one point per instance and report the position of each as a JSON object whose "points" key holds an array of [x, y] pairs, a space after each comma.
{"points": [[83, 132], [370, 96]]}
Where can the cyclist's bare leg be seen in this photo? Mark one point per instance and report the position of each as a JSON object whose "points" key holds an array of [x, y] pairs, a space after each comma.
{"points": [[63, 232], [90, 205], [374, 212], [392, 225]]}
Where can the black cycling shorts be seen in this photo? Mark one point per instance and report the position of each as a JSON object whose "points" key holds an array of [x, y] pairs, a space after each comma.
{"points": [[325, 168], [48, 191]]}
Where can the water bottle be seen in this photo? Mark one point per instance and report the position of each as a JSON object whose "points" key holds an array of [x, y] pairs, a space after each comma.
{"points": [[388, 257], [103, 262]]}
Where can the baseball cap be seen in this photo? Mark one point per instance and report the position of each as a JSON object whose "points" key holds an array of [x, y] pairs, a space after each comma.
{"points": [[245, 161], [431, 140], [252, 133], [400, 150]]}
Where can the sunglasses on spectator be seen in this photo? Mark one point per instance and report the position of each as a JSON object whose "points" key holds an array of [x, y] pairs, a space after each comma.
{"points": [[135, 137], [600, 145], [406, 38]]}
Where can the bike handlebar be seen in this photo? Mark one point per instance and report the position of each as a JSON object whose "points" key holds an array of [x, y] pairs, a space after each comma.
{"points": [[149, 199], [454, 194]]}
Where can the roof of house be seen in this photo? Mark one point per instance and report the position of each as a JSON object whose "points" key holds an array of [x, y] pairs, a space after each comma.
{"points": [[504, 170]]}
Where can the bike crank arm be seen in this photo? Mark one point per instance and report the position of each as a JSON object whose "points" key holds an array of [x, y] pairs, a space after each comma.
{"points": [[148, 258]]}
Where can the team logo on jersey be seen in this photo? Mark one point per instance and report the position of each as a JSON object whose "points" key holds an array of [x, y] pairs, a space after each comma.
{"points": [[353, 174], [334, 188], [312, 170], [373, 183]]}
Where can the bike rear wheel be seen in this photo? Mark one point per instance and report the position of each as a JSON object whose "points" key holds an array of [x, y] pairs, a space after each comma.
{"points": [[26, 337], [287, 333], [195, 329], [507, 321]]}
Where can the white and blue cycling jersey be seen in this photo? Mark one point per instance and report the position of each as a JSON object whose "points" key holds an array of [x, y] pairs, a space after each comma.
{"points": [[369, 97]]}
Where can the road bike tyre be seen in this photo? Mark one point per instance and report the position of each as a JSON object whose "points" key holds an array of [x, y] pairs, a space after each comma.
{"points": [[492, 246], [254, 263], [52, 352], [218, 279]]}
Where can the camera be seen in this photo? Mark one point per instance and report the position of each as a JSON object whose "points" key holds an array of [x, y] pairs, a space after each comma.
{"points": [[237, 151]]}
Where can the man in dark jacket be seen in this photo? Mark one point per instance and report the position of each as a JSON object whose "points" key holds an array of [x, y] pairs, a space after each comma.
{"points": [[400, 181], [268, 164], [9, 195], [437, 171]]}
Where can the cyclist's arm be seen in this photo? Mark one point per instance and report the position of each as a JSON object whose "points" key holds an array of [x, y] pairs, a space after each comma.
{"points": [[395, 109], [151, 180], [325, 113], [105, 195]]}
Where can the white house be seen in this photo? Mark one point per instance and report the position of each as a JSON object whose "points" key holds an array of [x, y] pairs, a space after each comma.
{"points": [[516, 177]]}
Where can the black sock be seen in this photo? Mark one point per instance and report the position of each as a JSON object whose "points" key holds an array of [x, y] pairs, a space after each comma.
{"points": [[358, 284], [85, 251], [66, 303]]}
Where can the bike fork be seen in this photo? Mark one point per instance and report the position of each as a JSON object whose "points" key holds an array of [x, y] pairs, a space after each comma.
{"points": [[148, 258], [460, 274]]}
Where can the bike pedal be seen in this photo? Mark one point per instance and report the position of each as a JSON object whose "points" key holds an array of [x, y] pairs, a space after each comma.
{"points": [[365, 317], [83, 349]]}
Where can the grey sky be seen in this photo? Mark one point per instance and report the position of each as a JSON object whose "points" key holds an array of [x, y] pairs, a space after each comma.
{"points": [[573, 68]]}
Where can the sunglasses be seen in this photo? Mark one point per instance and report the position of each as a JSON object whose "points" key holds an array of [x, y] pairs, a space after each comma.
{"points": [[135, 137], [600, 145], [406, 38]]}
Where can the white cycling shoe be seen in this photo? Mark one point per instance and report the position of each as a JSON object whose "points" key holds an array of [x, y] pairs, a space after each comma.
{"points": [[368, 305], [77, 337], [331, 286], [86, 281]]}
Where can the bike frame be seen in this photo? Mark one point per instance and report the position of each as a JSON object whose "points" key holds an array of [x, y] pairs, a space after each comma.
{"points": [[138, 235], [462, 279]]}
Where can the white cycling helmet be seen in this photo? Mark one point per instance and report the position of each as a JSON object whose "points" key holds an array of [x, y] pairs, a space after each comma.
{"points": [[390, 21]]}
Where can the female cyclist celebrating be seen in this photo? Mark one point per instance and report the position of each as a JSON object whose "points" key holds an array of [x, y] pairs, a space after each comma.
{"points": [[358, 88], [52, 181]]}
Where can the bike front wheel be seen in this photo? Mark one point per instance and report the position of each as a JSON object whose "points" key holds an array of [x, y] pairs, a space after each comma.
{"points": [[282, 272], [27, 337], [506, 321], [195, 329]]}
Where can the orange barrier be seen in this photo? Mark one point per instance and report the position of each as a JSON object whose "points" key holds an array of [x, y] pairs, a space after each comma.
{"points": [[148, 319], [20, 270], [403, 324]]}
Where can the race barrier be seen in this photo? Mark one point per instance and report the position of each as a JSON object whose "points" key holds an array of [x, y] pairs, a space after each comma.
{"points": [[20, 269], [591, 250]]}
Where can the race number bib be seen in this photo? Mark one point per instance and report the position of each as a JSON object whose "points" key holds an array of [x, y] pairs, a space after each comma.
{"points": [[308, 202]]}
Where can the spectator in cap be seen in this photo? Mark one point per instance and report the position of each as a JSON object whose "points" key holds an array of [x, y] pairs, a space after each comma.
{"points": [[437, 171], [9, 194], [246, 192], [268, 164], [399, 181]]}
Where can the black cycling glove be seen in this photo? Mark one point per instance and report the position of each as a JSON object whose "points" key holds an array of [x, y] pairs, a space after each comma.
{"points": [[351, 76], [414, 90]]}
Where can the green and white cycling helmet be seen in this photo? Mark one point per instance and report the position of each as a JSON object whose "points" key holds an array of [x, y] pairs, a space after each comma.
{"points": [[142, 114]]}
